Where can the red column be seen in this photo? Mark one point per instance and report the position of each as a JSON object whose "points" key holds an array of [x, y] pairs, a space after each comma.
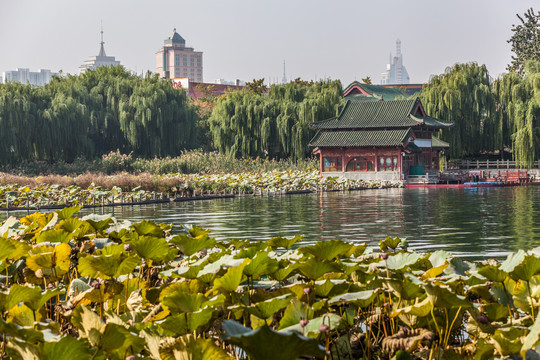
{"points": [[321, 159]]}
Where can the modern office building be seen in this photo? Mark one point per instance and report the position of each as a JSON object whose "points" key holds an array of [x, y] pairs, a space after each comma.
{"points": [[25, 76], [175, 60], [396, 73], [100, 60]]}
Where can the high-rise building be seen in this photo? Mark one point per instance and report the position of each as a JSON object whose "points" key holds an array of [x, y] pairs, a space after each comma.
{"points": [[101, 60], [395, 73], [175, 60], [25, 76]]}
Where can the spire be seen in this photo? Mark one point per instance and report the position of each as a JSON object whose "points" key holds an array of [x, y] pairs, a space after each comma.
{"points": [[398, 47], [102, 50], [284, 80]]}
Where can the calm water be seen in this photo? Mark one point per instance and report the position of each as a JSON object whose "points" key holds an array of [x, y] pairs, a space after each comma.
{"points": [[476, 223]]}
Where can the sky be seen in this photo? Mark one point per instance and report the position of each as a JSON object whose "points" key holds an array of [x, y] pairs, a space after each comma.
{"points": [[249, 39]]}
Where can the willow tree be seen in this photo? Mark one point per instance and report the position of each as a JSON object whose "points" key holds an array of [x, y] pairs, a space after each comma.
{"points": [[519, 102], [92, 114], [462, 94], [275, 124]]}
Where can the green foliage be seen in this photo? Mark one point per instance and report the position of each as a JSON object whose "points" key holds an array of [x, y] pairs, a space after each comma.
{"points": [[253, 124], [463, 95], [147, 293], [525, 41], [92, 114]]}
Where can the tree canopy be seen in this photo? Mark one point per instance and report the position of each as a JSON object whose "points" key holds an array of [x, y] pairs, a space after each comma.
{"points": [[525, 41], [92, 114], [251, 124]]}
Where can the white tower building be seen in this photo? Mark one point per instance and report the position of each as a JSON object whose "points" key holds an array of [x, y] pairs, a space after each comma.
{"points": [[396, 73], [101, 60]]}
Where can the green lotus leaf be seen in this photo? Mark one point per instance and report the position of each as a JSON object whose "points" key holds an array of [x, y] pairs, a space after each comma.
{"points": [[189, 347], [52, 261], [54, 236], [181, 324], [404, 288], [360, 298], [283, 273], [22, 315], [6, 225], [512, 261], [260, 265], [443, 297], [68, 212], [191, 245], [495, 312], [402, 260], [230, 281], [389, 242], [107, 266], [327, 250], [67, 348], [295, 312], [117, 342], [313, 268], [196, 231], [312, 327], [262, 342], [493, 273], [420, 309], [266, 309], [13, 249], [439, 257], [180, 302], [507, 340], [151, 248], [101, 225], [149, 228], [90, 325], [278, 241], [529, 267], [70, 225]]}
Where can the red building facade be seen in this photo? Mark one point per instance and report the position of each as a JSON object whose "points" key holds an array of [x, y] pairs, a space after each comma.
{"points": [[375, 139]]}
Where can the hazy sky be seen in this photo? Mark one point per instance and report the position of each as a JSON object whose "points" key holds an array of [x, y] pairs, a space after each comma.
{"points": [[247, 39]]}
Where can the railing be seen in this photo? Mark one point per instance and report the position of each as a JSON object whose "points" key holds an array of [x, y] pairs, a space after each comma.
{"points": [[488, 164]]}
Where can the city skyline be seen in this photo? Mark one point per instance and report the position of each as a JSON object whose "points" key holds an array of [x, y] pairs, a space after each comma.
{"points": [[245, 40]]}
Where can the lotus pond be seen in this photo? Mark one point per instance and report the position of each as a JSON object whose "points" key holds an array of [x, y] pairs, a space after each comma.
{"points": [[94, 287]]}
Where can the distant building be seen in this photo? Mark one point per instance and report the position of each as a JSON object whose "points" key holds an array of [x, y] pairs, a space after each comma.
{"points": [[97, 61], [237, 82], [396, 73], [196, 89], [25, 76], [175, 60]]}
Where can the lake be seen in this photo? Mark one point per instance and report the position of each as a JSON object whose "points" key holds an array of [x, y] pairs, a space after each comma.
{"points": [[475, 223]]}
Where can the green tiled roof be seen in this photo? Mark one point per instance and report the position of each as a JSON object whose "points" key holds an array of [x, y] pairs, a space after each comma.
{"points": [[438, 143], [414, 148], [429, 121], [379, 114], [372, 114], [379, 91], [360, 138]]}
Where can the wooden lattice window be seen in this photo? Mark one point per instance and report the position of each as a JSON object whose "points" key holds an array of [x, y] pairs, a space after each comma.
{"points": [[360, 164]]}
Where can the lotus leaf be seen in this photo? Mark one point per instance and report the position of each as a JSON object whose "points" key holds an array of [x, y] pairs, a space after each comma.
{"points": [[313, 326], [53, 261], [67, 348], [507, 340], [444, 297], [420, 309], [12, 249], [153, 249], [107, 266], [265, 309], [284, 273], [68, 212], [361, 298], [191, 245], [54, 236], [389, 242], [529, 267], [182, 324], [404, 288], [262, 342], [260, 265], [493, 273], [327, 250], [295, 312], [148, 228], [4, 228], [313, 268], [230, 281], [512, 261], [188, 347], [90, 325], [70, 225], [402, 260], [278, 241]]}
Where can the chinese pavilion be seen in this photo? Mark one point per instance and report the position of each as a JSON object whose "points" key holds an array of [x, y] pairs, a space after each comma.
{"points": [[377, 139]]}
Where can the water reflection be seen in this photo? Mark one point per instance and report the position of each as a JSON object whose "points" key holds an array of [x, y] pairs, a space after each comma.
{"points": [[477, 223]]}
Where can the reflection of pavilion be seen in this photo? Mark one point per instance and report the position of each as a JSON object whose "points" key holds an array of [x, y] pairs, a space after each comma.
{"points": [[376, 139]]}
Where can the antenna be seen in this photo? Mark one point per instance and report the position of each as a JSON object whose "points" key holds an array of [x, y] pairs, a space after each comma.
{"points": [[284, 80], [102, 49]]}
